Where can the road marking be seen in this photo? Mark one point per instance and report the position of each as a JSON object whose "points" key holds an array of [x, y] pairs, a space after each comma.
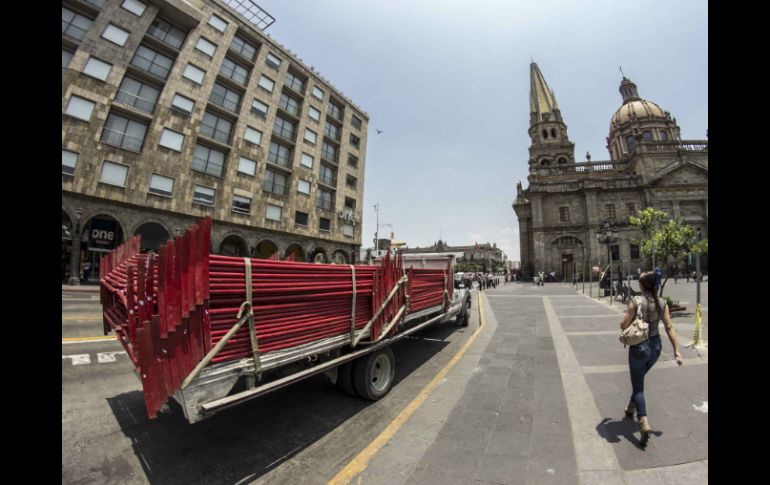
{"points": [[103, 357], [78, 359], [597, 332], [360, 462], [80, 340], [609, 369], [587, 316], [91, 316], [591, 452]]}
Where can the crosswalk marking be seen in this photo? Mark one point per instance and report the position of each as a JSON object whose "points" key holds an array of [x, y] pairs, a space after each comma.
{"points": [[78, 359], [101, 357]]}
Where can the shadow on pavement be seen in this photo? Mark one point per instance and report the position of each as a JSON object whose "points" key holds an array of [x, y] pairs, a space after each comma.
{"points": [[612, 431], [249, 440]]}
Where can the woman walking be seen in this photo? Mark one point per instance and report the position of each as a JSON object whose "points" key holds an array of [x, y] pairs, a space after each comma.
{"points": [[642, 357]]}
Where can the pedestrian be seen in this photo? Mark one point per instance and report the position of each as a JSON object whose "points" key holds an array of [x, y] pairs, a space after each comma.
{"points": [[642, 357]]}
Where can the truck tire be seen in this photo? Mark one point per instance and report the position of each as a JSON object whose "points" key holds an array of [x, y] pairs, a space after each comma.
{"points": [[345, 378], [373, 374]]}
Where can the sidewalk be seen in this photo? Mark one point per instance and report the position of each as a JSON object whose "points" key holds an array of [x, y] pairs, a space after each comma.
{"points": [[539, 399]]}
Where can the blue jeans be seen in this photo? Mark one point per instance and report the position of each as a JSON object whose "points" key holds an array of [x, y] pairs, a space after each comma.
{"points": [[641, 358]]}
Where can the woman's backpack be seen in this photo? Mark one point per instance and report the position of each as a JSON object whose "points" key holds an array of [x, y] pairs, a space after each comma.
{"points": [[638, 331]]}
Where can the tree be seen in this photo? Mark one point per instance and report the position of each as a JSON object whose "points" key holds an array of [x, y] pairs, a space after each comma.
{"points": [[673, 241], [647, 223]]}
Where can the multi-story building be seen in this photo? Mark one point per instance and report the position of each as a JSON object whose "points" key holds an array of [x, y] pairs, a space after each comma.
{"points": [[650, 165], [176, 110], [478, 257]]}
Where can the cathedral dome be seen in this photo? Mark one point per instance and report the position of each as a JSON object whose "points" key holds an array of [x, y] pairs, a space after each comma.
{"points": [[639, 109]]}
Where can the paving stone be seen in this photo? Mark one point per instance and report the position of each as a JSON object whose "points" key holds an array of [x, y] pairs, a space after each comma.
{"points": [[502, 469], [548, 446], [552, 472], [519, 423], [508, 443], [495, 380], [449, 459]]}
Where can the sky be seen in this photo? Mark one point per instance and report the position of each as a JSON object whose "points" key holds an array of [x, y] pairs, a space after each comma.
{"points": [[447, 82]]}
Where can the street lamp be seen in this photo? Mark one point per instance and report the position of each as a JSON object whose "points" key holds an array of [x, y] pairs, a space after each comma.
{"points": [[607, 234], [75, 255]]}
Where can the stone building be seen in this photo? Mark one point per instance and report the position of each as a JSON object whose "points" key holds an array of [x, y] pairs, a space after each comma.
{"points": [[560, 212], [176, 110], [478, 257]]}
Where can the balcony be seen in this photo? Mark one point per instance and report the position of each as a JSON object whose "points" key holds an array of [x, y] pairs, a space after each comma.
{"points": [[122, 140], [137, 102]]}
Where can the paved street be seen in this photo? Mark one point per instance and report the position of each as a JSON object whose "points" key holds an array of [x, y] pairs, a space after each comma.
{"points": [[537, 398]]}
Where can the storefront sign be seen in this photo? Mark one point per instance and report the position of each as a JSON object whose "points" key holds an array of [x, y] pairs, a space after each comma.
{"points": [[101, 235]]}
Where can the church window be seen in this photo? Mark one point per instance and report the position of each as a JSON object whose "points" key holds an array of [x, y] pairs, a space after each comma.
{"points": [[545, 162], [553, 132], [609, 211], [630, 209], [634, 251], [663, 135], [563, 214], [647, 135], [562, 160], [631, 143], [615, 250], [545, 134]]}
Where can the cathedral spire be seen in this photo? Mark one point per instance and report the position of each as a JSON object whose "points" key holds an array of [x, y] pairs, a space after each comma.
{"points": [[542, 102], [628, 90]]}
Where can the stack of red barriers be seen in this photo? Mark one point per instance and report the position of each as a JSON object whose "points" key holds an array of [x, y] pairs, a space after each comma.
{"points": [[169, 309]]}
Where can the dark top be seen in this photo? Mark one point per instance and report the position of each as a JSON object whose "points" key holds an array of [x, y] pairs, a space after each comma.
{"points": [[651, 313]]}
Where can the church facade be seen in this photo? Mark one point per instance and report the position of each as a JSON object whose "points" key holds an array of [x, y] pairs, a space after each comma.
{"points": [[566, 202]]}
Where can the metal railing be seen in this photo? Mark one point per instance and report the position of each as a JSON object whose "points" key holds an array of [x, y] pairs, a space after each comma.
{"points": [[116, 138], [223, 102], [137, 102], [207, 166]]}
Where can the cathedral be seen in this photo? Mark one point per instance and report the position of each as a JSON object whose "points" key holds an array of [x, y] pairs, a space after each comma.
{"points": [[565, 203]]}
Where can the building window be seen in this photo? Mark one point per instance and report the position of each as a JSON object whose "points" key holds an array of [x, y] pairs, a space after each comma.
{"points": [[300, 218], [68, 161], [310, 136], [634, 251], [352, 160], [306, 160], [630, 209], [194, 74], [545, 162], [328, 175], [664, 135], [351, 182], [171, 139], [135, 93], [233, 71], [241, 204], [124, 133], [279, 155], [647, 135], [218, 23], [252, 136], [160, 185], [114, 174], [350, 203], [273, 212], [303, 187], [275, 183], [314, 114], [116, 35], [152, 62], [247, 166], [74, 25], [324, 224], [97, 3], [609, 211], [259, 108], [283, 128], [98, 69], [225, 98], [135, 7], [562, 160], [244, 48], [66, 58], [630, 143], [615, 251], [334, 110], [206, 47], [328, 152], [354, 140], [288, 104], [356, 122], [203, 195], [324, 200], [563, 214], [318, 93], [208, 160], [167, 33], [216, 127], [266, 83], [294, 82], [183, 104], [331, 130], [348, 230], [80, 108], [273, 61]]}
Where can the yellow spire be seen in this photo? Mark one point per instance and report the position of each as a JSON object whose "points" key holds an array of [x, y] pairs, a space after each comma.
{"points": [[541, 98]]}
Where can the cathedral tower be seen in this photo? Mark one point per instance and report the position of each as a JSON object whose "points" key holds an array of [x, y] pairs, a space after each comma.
{"points": [[550, 143]]}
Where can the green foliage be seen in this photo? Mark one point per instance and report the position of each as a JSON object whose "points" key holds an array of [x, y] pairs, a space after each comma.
{"points": [[674, 239], [647, 221]]}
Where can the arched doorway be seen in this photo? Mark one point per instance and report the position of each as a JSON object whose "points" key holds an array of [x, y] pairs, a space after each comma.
{"points": [[152, 236], [265, 249], [569, 254], [234, 245], [339, 257], [99, 235], [319, 256], [297, 251]]}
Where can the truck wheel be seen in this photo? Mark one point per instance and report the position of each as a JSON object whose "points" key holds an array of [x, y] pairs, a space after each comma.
{"points": [[373, 374], [345, 378]]}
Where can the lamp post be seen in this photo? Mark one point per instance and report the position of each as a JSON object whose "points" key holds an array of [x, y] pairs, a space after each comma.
{"points": [[608, 234], [75, 255], [697, 273]]}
